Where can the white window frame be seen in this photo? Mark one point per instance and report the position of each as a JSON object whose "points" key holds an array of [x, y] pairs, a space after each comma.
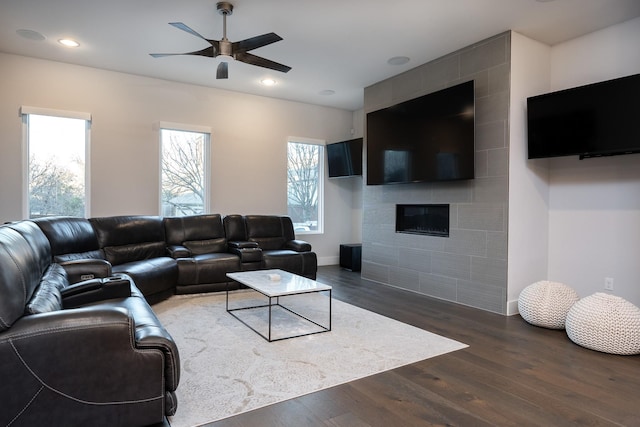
{"points": [[321, 175], [25, 111], [207, 158]]}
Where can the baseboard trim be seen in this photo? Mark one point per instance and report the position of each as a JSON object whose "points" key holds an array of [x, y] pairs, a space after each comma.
{"points": [[329, 260], [512, 308]]}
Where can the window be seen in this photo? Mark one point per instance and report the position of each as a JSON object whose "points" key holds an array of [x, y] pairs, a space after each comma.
{"points": [[184, 170], [305, 173], [57, 144]]}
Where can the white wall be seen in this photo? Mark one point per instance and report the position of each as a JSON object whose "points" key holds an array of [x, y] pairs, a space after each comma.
{"points": [[528, 180], [594, 204], [249, 136]]}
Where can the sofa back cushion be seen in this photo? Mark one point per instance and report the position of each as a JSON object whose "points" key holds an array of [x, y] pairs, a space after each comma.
{"points": [[117, 255], [199, 233], [71, 238], [47, 296], [266, 230], [20, 274], [287, 228], [130, 238], [198, 247], [234, 228], [37, 240]]}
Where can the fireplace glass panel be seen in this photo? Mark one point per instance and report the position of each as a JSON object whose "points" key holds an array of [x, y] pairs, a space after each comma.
{"points": [[431, 220]]}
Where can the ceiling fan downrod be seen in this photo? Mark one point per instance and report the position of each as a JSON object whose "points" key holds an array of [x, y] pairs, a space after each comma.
{"points": [[225, 8]]}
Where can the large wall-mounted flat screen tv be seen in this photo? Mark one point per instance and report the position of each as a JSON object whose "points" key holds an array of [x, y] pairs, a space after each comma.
{"points": [[344, 158], [426, 139], [599, 119]]}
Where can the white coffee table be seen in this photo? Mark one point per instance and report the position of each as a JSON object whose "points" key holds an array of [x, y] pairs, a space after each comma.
{"points": [[275, 285]]}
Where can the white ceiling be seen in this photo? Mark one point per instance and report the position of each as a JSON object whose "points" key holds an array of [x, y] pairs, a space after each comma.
{"points": [[341, 46]]}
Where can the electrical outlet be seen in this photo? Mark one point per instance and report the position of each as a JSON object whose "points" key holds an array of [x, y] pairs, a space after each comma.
{"points": [[608, 283]]}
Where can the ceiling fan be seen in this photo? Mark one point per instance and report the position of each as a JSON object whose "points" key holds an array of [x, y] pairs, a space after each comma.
{"points": [[236, 50]]}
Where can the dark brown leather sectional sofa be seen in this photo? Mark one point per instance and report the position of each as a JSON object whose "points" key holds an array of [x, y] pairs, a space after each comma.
{"points": [[188, 254], [79, 342]]}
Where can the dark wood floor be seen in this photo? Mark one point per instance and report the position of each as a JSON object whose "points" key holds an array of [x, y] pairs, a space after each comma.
{"points": [[512, 374]]}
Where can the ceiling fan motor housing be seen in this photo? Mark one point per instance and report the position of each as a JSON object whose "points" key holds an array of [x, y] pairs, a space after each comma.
{"points": [[226, 48]]}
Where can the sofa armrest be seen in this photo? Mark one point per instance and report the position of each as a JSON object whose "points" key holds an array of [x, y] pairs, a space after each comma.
{"points": [[178, 251], [237, 244], [95, 290], [298, 245], [247, 254], [85, 269], [89, 358]]}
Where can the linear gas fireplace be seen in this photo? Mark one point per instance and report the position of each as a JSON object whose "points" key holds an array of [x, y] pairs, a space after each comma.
{"points": [[431, 220]]}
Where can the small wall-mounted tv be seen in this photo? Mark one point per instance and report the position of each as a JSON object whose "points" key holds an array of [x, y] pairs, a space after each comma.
{"points": [[344, 158], [600, 119], [426, 139]]}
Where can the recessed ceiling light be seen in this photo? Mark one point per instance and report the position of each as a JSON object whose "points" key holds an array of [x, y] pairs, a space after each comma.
{"points": [[398, 60], [268, 82], [69, 42], [326, 92], [30, 34]]}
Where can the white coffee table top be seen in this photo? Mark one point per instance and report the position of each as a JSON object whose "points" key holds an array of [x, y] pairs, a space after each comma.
{"points": [[274, 283]]}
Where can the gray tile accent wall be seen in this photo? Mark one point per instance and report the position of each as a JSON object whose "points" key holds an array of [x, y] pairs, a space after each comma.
{"points": [[470, 266]]}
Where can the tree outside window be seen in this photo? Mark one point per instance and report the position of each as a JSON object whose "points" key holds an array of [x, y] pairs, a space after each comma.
{"points": [[184, 170], [56, 166], [304, 186]]}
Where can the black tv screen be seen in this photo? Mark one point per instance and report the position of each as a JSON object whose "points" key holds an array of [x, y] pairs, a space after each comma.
{"points": [[599, 119], [426, 139], [345, 158]]}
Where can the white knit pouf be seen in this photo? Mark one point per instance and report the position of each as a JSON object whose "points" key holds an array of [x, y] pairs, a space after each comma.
{"points": [[546, 303], [606, 323]]}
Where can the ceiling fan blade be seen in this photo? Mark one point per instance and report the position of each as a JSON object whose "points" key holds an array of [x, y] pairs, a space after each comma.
{"points": [[160, 55], [210, 52], [255, 42], [261, 62], [222, 71], [207, 51], [184, 27]]}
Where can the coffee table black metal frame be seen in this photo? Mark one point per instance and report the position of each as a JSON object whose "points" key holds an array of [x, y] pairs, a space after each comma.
{"points": [[274, 298]]}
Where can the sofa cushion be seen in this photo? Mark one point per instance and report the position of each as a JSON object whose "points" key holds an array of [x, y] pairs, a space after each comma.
{"points": [[37, 240], [234, 227], [151, 276], [20, 274], [69, 236], [207, 268], [130, 238], [97, 254], [198, 247], [125, 230], [135, 252], [266, 230], [193, 228], [269, 243], [47, 296]]}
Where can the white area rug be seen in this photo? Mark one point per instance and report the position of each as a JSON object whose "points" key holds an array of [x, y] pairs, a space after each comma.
{"points": [[228, 369]]}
